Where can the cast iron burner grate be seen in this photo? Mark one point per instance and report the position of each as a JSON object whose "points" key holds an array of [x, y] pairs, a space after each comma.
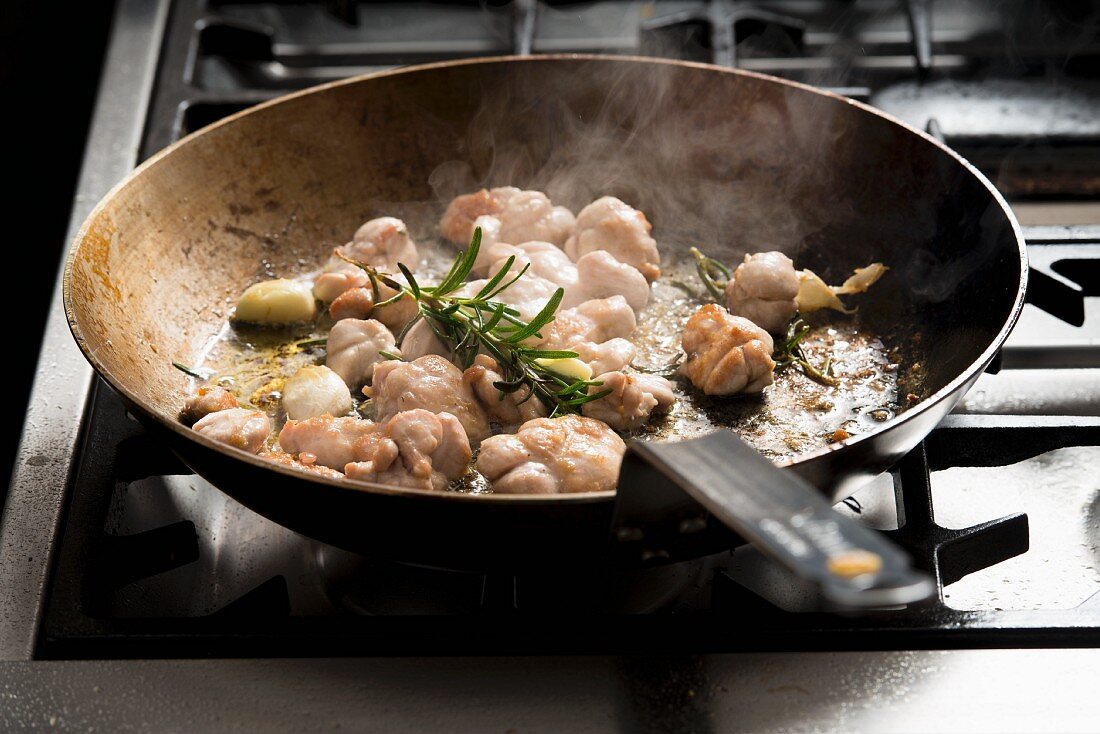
{"points": [[950, 554]]}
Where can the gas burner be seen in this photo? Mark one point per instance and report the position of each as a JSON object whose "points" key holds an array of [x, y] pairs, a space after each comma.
{"points": [[380, 588]]}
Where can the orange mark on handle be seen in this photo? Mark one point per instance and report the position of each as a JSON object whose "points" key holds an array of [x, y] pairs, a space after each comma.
{"points": [[854, 563]]}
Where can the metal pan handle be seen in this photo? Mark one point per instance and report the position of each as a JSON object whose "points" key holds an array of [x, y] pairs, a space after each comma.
{"points": [[775, 510]]}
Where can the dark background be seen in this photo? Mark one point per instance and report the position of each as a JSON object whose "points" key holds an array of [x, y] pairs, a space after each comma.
{"points": [[50, 59]]}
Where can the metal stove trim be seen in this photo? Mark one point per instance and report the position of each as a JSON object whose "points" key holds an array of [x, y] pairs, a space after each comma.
{"points": [[923, 691], [47, 447]]}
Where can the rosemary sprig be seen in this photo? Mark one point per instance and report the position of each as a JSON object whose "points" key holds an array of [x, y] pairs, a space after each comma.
{"points": [[789, 352], [713, 273], [471, 324], [189, 371]]}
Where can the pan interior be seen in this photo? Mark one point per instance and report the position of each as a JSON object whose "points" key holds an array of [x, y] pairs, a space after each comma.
{"points": [[796, 415], [733, 161]]}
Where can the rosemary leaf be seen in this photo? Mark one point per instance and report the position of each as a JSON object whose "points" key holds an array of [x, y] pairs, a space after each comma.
{"points": [[189, 371], [460, 269], [510, 385], [534, 353], [413, 287], [498, 313], [542, 318], [713, 273], [392, 299], [587, 397], [520, 274], [375, 292], [405, 329], [487, 289]]}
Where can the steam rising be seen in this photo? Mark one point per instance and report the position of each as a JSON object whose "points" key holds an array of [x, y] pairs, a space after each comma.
{"points": [[734, 164], [702, 168]]}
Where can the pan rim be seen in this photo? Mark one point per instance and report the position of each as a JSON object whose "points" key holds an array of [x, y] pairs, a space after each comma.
{"points": [[975, 368]]}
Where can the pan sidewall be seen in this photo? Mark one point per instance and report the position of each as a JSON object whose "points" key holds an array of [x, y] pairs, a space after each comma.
{"points": [[371, 521]]}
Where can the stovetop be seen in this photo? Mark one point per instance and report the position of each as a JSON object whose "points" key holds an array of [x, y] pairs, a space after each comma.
{"points": [[155, 562], [112, 549]]}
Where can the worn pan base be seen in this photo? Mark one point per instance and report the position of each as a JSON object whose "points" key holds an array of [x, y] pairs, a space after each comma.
{"points": [[484, 534], [472, 535]]}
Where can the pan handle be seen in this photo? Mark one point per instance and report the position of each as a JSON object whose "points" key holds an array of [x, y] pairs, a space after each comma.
{"points": [[775, 510]]}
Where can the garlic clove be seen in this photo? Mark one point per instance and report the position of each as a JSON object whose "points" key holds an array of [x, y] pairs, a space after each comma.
{"points": [[280, 301], [314, 391], [568, 367]]}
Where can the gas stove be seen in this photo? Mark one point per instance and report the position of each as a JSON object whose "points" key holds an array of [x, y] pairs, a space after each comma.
{"points": [[117, 563]]}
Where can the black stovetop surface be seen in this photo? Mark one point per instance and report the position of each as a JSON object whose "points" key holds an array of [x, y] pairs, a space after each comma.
{"points": [[154, 562]]}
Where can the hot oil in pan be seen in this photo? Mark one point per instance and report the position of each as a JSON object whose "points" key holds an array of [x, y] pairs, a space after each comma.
{"points": [[254, 362], [793, 416], [796, 414]]}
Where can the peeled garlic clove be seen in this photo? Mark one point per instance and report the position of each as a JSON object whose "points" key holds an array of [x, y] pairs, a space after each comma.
{"points": [[314, 391], [280, 301], [568, 367]]}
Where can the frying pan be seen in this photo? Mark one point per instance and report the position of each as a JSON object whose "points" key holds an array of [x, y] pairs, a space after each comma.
{"points": [[738, 161]]}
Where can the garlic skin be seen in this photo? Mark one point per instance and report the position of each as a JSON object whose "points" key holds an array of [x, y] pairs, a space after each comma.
{"points": [[814, 294], [280, 301], [315, 391], [860, 280]]}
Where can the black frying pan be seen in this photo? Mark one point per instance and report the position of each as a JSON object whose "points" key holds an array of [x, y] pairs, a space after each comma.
{"points": [[711, 155]]}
